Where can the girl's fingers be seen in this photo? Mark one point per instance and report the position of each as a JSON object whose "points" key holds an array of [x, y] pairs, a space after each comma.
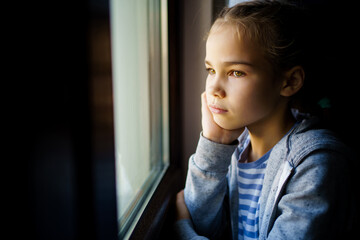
{"points": [[204, 106]]}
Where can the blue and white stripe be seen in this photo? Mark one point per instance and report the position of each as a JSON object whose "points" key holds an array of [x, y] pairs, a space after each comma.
{"points": [[250, 181]]}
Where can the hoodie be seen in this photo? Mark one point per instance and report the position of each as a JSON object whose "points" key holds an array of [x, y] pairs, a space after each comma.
{"points": [[306, 190]]}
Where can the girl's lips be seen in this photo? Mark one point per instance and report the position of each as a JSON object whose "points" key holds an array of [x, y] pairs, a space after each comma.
{"points": [[215, 109]]}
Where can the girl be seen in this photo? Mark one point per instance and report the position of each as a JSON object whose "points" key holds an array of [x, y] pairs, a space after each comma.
{"points": [[284, 177]]}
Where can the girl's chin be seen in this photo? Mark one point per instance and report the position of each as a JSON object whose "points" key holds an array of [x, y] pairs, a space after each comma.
{"points": [[227, 125]]}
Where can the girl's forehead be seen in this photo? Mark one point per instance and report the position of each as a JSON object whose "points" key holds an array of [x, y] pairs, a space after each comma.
{"points": [[225, 44], [222, 33], [229, 36]]}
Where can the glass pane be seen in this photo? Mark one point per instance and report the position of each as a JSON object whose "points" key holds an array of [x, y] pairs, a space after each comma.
{"points": [[140, 113]]}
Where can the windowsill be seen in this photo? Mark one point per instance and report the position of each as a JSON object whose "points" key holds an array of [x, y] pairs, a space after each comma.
{"points": [[158, 216]]}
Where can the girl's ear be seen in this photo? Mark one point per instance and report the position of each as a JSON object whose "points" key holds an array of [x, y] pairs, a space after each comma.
{"points": [[293, 81]]}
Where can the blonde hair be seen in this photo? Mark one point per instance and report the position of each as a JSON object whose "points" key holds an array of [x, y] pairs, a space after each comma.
{"points": [[277, 27]]}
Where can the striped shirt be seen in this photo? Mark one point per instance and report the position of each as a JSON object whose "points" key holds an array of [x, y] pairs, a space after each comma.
{"points": [[250, 182]]}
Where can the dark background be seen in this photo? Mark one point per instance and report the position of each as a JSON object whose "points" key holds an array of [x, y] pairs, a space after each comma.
{"points": [[60, 183]]}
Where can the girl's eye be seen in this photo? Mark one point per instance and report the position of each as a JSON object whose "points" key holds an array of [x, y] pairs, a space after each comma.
{"points": [[211, 71], [238, 74]]}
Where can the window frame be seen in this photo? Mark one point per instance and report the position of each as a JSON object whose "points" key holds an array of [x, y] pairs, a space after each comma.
{"points": [[158, 212], [158, 216]]}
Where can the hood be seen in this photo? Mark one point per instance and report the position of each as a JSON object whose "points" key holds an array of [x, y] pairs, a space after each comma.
{"points": [[309, 136]]}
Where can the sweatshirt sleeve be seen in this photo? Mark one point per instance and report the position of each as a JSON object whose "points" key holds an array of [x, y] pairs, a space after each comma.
{"points": [[206, 187]]}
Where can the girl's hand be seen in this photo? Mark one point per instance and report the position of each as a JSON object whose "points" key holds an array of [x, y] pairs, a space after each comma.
{"points": [[211, 130], [182, 211]]}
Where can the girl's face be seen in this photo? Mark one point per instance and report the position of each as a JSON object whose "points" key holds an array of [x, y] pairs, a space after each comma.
{"points": [[241, 88]]}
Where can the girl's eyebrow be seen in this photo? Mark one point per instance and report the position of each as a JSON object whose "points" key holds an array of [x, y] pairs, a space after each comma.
{"points": [[233, 63]]}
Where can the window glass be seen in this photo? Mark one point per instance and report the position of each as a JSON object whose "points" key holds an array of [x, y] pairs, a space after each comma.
{"points": [[139, 65]]}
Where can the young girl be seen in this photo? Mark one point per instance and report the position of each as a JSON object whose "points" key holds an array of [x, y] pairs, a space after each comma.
{"points": [[261, 169]]}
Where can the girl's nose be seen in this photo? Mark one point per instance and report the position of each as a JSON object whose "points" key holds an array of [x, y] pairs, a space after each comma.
{"points": [[215, 89]]}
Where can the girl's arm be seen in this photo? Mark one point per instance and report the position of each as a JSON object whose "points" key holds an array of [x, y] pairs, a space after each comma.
{"points": [[184, 227], [207, 186]]}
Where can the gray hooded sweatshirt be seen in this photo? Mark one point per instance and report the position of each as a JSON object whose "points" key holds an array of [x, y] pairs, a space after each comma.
{"points": [[306, 190]]}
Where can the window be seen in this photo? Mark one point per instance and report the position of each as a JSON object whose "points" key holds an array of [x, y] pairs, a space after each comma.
{"points": [[140, 90]]}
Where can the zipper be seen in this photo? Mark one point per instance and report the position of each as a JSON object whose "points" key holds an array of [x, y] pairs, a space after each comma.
{"points": [[285, 175]]}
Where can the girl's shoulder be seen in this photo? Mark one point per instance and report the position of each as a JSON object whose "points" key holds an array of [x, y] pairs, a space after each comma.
{"points": [[309, 137]]}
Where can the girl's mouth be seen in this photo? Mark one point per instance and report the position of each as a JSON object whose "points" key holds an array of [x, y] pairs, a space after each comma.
{"points": [[217, 109]]}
